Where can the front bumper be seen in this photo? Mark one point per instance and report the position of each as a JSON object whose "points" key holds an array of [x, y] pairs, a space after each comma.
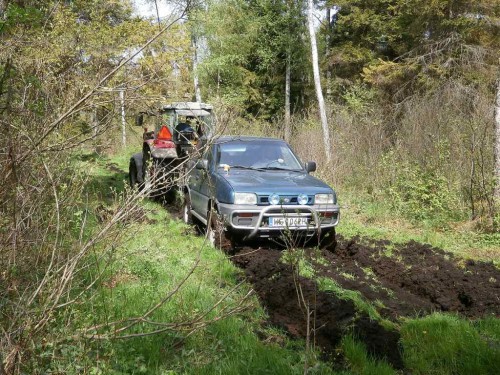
{"points": [[253, 221]]}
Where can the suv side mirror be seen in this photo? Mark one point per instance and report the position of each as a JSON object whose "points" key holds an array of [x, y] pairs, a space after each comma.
{"points": [[310, 166], [202, 164], [139, 119]]}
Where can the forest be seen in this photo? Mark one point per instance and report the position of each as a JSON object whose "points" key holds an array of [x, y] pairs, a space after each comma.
{"points": [[398, 101]]}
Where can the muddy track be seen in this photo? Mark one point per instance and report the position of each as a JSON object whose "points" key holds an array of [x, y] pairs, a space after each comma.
{"points": [[415, 279], [411, 280]]}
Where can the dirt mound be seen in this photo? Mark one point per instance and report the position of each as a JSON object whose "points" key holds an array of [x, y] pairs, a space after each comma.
{"points": [[414, 278], [406, 280], [285, 296]]}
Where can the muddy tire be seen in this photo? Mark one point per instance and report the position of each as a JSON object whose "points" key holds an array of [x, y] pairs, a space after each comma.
{"points": [[328, 240], [132, 175], [216, 232], [135, 172], [187, 217]]}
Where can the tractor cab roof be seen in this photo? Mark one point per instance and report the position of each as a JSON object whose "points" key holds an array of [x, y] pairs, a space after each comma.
{"points": [[187, 107]]}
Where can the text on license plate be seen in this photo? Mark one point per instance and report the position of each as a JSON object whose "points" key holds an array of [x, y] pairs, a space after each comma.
{"points": [[288, 221]]}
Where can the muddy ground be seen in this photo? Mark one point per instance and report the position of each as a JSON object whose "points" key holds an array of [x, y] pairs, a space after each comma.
{"points": [[407, 280]]}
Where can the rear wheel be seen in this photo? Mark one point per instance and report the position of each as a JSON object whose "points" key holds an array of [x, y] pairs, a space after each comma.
{"points": [[132, 174], [148, 174]]}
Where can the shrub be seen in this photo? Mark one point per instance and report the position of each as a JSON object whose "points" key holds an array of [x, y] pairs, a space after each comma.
{"points": [[420, 194]]}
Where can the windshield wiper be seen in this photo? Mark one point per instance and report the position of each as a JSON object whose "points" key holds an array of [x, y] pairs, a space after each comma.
{"points": [[243, 167], [280, 169]]}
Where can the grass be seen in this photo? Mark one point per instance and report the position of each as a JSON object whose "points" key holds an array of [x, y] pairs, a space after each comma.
{"points": [[360, 362], [446, 344]]}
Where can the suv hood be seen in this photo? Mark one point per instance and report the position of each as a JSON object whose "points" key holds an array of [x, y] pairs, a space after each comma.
{"points": [[272, 181]]}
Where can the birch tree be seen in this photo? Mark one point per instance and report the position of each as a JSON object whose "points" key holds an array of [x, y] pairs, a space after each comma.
{"points": [[317, 81], [497, 145], [288, 125]]}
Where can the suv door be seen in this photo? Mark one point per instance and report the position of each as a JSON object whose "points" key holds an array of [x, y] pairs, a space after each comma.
{"points": [[199, 184]]}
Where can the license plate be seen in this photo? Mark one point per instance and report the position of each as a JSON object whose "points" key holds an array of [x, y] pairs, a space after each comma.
{"points": [[288, 222]]}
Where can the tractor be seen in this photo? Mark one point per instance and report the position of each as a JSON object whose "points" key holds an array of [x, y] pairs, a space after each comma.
{"points": [[172, 133]]}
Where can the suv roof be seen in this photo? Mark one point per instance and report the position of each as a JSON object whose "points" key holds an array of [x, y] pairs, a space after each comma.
{"points": [[245, 138]]}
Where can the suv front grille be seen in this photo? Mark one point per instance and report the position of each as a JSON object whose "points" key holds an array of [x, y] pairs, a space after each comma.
{"points": [[263, 200]]}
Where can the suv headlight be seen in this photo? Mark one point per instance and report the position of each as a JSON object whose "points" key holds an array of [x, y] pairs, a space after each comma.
{"points": [[323, 199], [245, 198]]}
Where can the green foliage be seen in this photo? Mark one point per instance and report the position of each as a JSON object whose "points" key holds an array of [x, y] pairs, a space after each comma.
{"points": [[358, 97], [249, 43], [446, 344], [407, 46], [18, 16], [420, 194]]}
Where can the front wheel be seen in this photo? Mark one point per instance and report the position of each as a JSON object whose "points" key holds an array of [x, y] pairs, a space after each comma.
{"points": [[216, 232], [187, 217], [328, 239]]}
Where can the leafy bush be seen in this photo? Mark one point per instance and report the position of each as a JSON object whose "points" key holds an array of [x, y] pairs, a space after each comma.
{"points": [[420, 194]]}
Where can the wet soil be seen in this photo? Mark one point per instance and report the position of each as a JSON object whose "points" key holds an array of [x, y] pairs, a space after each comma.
{"points": [[406, 280], [416, 279]]}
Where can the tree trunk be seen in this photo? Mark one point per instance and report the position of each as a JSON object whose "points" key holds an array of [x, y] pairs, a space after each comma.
{"points": [[288, 129], [327, 54], [317, 81], [197, 91], [124, 123], [496, 195]]}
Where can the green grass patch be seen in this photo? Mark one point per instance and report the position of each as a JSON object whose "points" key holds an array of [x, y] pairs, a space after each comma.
{"points": [[358, 360], [446, 344], [151, 265]]}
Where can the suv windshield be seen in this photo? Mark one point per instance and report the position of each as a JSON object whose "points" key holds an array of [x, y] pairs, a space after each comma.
{"points": [[258, 154]]}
